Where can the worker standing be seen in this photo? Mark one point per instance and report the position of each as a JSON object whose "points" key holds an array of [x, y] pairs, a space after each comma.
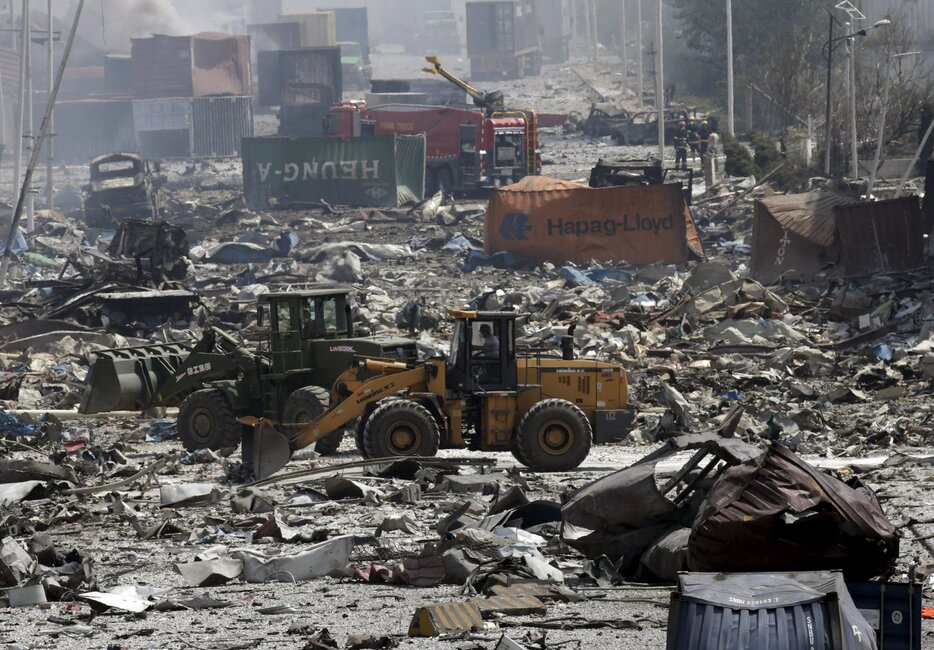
{"points": [[693, 137], [704, 137], [681, 146]]}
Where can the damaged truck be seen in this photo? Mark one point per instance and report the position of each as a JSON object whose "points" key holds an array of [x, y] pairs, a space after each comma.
{"points": [[121, 187], [307, 342]]}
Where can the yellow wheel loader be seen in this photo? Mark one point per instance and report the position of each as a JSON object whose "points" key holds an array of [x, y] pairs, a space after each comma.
{"points": [[546, 410]]}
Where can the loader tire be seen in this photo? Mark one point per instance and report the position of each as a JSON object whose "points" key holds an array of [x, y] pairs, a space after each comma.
{"points": [[401, 428], [304, 405], [553, 436], [206, 419]]}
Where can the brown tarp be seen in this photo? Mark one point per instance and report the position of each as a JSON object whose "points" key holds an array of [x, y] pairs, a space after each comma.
{"points": [[777, 513], [548, 220]]}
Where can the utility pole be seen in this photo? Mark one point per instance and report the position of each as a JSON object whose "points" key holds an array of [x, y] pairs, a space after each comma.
{"points": [[28, 141], [730, 126], [43, 129], [587, 26], [640, 90], [854, 151], [50, 163], [827, 123], [660, 81], [593, 22], [622, 37], [20, 108]]}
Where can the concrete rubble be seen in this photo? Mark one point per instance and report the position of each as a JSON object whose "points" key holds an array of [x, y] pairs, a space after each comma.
{"points": [[111, 535]]}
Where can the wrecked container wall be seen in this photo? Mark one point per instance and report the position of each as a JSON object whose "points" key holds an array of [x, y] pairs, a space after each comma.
{"points": [[351, 25], [316, 28], [794, 232], [202, 65], [162, 67], [547, 220], [301, 77], [555, 18], [376, 171], [881, 236], [163, 127], [927, 207], [893, 610], [85, 129], [118, 74], [219, 123]]}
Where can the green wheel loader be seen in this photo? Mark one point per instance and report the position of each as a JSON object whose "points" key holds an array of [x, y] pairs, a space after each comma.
{"points": [[307, 343]]}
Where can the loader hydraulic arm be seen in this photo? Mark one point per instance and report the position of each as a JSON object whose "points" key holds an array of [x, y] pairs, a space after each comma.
{"points": [[489, 101]]}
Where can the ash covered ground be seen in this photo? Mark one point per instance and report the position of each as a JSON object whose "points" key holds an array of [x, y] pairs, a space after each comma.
{"points": [[792, 358]]}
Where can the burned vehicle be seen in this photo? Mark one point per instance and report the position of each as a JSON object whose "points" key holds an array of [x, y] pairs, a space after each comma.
{"points": [[121, 187]]}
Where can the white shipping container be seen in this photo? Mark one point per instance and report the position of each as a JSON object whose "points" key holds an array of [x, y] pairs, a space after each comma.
{"points": [[162, 114]]}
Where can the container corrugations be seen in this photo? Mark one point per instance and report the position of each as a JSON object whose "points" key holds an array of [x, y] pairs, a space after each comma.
{"points": [[702, 626], [274, 36], [162, 67], [504, 27], [297, 77], [218, 124], [555, 18], [317, 29], [88, 128], [162, 114]]}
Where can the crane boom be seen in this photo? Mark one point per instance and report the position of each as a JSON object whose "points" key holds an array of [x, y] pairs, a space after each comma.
{"points": [[489, 101]]}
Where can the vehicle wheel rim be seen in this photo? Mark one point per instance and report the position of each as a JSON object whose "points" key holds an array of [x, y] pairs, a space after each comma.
{"points": [[555, 437], [202, 424], [403, 438]]}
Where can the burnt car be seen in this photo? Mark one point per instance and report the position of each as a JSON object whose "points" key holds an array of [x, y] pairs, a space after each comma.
{"points": [[121, 188]]}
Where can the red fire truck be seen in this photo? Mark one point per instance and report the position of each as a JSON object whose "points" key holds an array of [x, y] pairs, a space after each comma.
{"points": [[466, 149]]}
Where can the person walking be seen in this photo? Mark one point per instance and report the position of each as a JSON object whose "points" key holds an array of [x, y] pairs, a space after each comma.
{"points": [[704, 137], [693, 137], [681, 146]]}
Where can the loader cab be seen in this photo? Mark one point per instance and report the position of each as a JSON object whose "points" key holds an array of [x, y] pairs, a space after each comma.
{"points": [[483, 352], [294, 319]]}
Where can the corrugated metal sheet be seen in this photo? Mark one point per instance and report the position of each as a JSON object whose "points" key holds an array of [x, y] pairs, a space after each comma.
{"points": [[504, 26], [162, 66], [893, 609], [88, 128], [162, 114], [300, 77], [808, 215], [274, 36], [219, 123], [881, 236], [352, 26]]}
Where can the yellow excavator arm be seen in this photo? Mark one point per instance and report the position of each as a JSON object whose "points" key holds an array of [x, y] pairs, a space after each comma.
{"points": [[350, 396], [491, 101]]}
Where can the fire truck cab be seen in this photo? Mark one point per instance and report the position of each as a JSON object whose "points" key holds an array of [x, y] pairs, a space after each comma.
{"points": [[466, 150]]}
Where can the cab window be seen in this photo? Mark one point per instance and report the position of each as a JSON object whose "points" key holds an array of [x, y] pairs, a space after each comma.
{"points": [[283, 317]]}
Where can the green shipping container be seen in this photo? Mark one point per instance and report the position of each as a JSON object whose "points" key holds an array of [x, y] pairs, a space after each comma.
{"points": [[381, 171]]}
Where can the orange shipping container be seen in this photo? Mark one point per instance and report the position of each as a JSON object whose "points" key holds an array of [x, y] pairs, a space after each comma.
{"points": [[548, 220]]}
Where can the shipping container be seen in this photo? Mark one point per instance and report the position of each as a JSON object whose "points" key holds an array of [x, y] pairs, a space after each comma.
{"points": [[556, 26], [118, 74], [893, 609], [438, 34], [352, 26], [88, 128], [185, 127], [382, 171], [503, 39], [265, 37], [202, 65], [316, 29], [286, 72]]}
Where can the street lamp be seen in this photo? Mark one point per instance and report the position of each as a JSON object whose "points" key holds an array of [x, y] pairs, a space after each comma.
{"points": [[831, 44], [885, 105]]}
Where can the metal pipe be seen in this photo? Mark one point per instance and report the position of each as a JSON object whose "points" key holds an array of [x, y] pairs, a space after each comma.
{"points": [[729, 68], [640, 66], [660, 81], [43, 128], [50, 163], [901, 184]]}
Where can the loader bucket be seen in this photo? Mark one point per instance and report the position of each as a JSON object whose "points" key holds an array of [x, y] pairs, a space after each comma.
{"points": [[265, 448], [125, 379]]}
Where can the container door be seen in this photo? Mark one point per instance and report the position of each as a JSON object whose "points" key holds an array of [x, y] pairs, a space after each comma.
{"points": [[285, 341], [468, 160]]}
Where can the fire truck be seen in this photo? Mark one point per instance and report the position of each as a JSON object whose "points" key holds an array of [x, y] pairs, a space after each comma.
{"points": [[466, 149]]}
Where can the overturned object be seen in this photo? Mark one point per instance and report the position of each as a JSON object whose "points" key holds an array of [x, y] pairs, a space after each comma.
{"points": [[748, 611], [778, 513]]}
